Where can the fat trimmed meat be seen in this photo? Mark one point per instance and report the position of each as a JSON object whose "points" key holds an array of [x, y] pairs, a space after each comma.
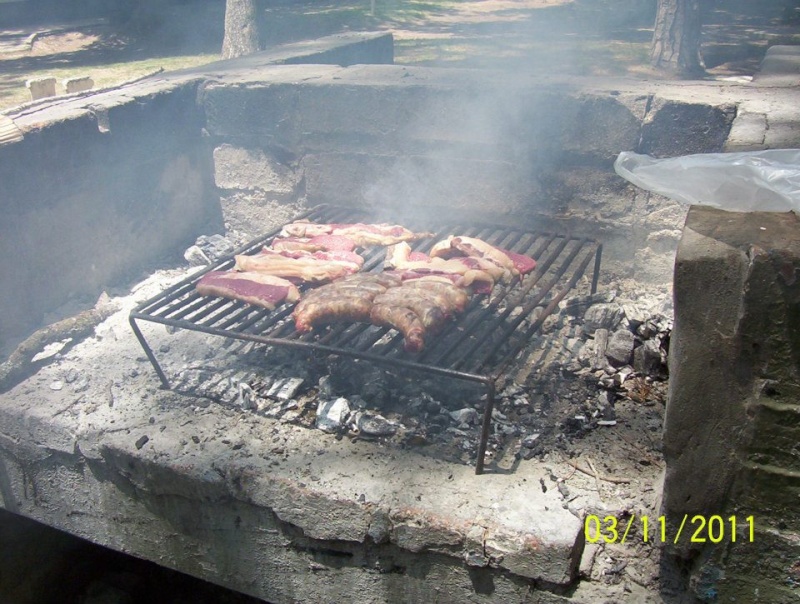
{"points": [[359, 233]]}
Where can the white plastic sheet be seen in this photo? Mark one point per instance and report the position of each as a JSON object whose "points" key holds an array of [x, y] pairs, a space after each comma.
{"points": [[757, 181]]}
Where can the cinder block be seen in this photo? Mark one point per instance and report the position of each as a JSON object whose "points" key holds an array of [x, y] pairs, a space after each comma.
{"points": [[41, 87], [78, 84]]}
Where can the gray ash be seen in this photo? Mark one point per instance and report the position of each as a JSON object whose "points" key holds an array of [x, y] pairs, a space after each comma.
{"points": [[596, 352]]}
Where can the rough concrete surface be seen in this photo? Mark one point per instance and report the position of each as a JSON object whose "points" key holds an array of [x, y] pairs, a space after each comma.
{"points": [[210, 493], [286, 513]]}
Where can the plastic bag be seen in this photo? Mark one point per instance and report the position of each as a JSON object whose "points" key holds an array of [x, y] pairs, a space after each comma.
{"points": [[757, 181]]}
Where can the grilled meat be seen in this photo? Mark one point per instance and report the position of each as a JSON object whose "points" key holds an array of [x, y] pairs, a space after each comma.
{"points": [[349, 299], [320, 243], [457, 299], [331, 309], [403, 320], [432, 308], [470, 270]]}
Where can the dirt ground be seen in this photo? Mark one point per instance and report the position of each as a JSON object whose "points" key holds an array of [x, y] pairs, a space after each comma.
{"points": [[584, 37]]}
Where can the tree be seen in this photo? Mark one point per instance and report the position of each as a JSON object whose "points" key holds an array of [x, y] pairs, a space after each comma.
{"points": [[676, 38], [241, 28]]}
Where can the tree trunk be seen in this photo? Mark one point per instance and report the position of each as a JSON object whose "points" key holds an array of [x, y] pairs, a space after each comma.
{"points": [[676, 38], [241, 29]]}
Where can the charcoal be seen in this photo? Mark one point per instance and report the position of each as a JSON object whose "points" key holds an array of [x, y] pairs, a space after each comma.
{"points": [[602, 316], [620, 347], [375, 425], [635, 314], [286, 388], [577, 305], [530, 441], [195, 256], [647, 358], [465, 416], [332, 415], [600, 348]]}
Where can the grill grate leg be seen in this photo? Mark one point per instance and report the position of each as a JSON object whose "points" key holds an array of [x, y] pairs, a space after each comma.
{"points": [[487, 422], [149, 352]]}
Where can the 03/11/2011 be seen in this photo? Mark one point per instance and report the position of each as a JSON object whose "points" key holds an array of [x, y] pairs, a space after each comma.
{"points": [[701, 529]]}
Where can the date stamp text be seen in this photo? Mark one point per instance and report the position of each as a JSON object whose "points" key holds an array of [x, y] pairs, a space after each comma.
{"points": [[695, 529]]}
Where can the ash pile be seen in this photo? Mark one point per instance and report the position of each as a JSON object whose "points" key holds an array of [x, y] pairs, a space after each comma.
{"points": [[596, 351]]}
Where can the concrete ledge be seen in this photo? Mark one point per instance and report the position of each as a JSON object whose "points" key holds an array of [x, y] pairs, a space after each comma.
{"points": [[780, 67], [284, 514]]}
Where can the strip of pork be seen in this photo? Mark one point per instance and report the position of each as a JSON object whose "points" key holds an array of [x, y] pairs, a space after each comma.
{"points": [[515, 263], [403, 320], [320, 243], [347, 258], [258, 289], [359, 233], [471, 270], [304, 266], [383, 279]]}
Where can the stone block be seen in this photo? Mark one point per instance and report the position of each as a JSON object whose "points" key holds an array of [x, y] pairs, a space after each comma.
{"points": [[251, 169], [41, 88], [673, 128], [734, 400], [79, 84]]}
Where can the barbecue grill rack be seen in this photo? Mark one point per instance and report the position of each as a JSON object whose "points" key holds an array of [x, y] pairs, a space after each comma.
{"points": [[479, 346]]}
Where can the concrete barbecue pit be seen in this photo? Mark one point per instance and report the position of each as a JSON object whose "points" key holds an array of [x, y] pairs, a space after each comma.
{"points": [[229, 477]]}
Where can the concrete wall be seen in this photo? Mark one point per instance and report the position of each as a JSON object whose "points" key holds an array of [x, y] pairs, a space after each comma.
{"points": [[733, 418], [422, 137], [95, 191]]}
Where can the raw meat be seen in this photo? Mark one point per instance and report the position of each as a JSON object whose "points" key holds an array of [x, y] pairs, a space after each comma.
{"points": [[258, 289], [308, 267], [359, 233]]}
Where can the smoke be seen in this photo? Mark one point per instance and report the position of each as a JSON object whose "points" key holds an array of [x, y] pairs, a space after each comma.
{"points": [[485, 139]]}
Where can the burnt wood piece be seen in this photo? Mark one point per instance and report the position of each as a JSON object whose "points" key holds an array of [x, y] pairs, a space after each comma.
{"points": [[20, 364]]}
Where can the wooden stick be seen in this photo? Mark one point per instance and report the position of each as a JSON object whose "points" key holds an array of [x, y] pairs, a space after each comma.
{"points": [[611, 479], [596, 475]]}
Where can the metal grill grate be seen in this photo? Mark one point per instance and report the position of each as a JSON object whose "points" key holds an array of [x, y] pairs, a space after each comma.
{"points": [[478, 347]]}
